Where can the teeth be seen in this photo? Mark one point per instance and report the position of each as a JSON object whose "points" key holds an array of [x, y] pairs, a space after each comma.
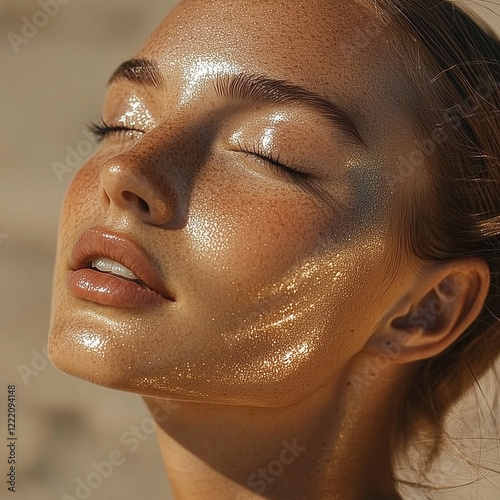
{"points": [[111, 266]]}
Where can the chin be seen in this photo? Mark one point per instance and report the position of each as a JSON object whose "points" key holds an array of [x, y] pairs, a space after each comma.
{"points": [[70, 358]]}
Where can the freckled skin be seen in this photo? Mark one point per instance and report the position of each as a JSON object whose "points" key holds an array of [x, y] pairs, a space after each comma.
{"points": [[276, 291], [228, 228]]}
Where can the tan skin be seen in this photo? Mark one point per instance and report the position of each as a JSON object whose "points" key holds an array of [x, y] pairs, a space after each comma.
{"points": [[284, 293]]}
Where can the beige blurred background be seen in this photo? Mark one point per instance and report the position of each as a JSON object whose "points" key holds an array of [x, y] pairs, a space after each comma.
{"points": [[50, 88]]}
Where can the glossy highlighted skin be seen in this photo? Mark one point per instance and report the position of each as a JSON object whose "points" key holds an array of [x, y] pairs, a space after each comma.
{"points": [[250, 156], [268, 268]]}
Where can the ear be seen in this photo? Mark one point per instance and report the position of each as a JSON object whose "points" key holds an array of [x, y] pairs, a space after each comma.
{"points": [[443, 300]]}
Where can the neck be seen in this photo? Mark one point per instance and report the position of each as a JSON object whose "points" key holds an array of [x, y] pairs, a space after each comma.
{"points": [[332, 445]]}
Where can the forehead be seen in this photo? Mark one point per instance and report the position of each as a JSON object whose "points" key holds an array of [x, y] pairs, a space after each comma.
{"points": [[339, 49]]}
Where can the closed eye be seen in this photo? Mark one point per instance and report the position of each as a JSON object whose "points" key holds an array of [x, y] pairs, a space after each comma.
{"points": [[100, 130], [274, 161]]}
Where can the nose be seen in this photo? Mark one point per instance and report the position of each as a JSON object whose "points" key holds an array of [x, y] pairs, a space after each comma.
{"points": [[137, 183], [133, 192]]}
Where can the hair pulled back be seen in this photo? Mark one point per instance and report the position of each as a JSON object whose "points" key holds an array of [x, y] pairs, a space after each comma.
{"points": [[452, 64]]}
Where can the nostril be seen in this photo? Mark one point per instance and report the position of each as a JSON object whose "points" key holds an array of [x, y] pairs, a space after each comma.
{"points": [[130, 197], [144, 206]]}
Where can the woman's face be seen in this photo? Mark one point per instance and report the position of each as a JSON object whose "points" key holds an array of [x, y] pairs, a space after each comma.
{"points": [[255, 181]]}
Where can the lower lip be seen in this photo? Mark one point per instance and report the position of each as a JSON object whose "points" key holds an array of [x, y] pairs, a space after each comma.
{"points": [[110, 290]]}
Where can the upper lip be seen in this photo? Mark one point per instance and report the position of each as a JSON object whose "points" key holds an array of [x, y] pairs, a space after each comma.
{"points": [[99, 242]]}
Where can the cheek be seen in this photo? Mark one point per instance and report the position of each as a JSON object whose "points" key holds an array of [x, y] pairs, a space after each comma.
{"points": [[81, 206], [248, 235], [288, 340]]}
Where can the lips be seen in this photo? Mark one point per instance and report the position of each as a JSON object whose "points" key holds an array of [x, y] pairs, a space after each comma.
{"points": [[112, 289]]}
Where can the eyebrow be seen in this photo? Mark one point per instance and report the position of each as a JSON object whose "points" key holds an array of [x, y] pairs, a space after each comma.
{"points": [[260, 89], [257, 89], [141, 71]]}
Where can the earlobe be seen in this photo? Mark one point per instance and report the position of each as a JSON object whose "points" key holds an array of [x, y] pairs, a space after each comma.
{"points": [[438, 307]]}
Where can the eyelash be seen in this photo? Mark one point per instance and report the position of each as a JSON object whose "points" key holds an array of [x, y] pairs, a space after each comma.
{"points": [[273, 160], [100, 130]]}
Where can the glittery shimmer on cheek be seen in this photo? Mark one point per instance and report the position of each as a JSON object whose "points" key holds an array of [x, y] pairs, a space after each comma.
{"points": [[289, 342], [211, 236]]}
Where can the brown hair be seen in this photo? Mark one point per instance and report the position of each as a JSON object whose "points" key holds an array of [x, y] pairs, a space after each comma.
{"points": [[453, 68]]}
